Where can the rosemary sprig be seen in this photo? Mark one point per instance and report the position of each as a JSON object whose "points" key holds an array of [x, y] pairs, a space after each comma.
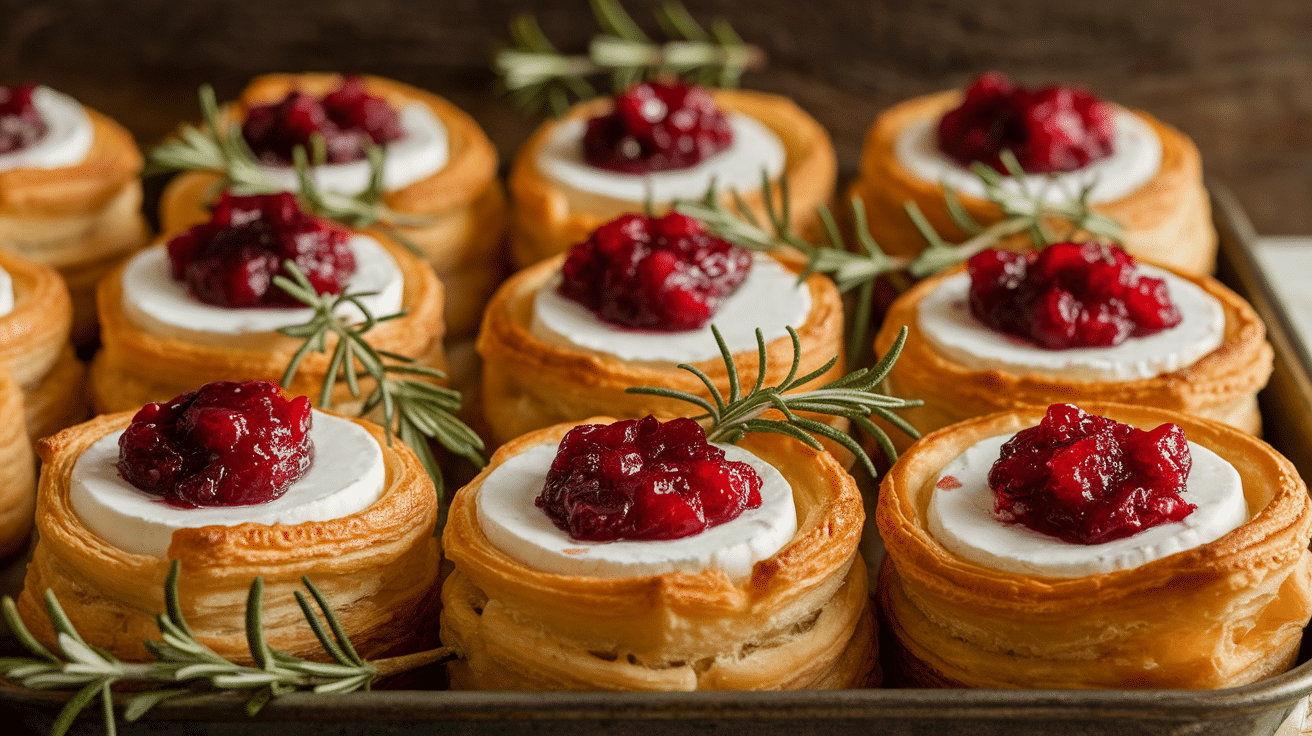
{"points": [[222, 150], [183, 664], [417, 410], [1025, 211], [540, 78], [853, 396]]}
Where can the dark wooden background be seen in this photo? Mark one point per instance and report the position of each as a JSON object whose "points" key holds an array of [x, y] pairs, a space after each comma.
{"points": [[1235, 75]]}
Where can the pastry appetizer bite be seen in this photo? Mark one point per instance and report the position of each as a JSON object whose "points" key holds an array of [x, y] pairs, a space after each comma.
{"points": [[1141, 173], [1126, 547], [657, 142], [633, 555], [203, 306], [234, 481], [17, 471], [563, 339], [1075, 322], [438, 179], [69, 193]]}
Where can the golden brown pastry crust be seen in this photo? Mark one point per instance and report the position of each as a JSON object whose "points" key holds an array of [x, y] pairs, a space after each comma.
{"points": [[543, 223], [1221, 385], [377, 567], [80, 219], [529, 384], [463, 204], [17, 471], [524, 629], [34, 347], [1225, 613], [135, 367], [1167, 220]]}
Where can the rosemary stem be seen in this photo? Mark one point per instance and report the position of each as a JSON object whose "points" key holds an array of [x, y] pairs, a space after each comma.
{"points": [[407, 662]]}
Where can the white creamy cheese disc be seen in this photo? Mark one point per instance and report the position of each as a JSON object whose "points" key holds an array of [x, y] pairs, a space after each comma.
{"points": [[68, 137], [516, 526], [347, 476], [163, 307], [769, 298], [961, 519], [6, 293], [1135, 160], [754, 148], [421, 151], [946, 322]]}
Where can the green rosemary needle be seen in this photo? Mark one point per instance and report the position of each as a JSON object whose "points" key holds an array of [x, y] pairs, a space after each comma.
{"points": [[853, 396], [182, 662], [1025, 211], [415, 409], [540, 78]]}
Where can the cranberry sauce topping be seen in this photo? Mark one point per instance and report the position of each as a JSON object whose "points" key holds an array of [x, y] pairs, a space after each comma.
{"points": [[1050, 129], [1068, 295], [349, 119], [224, 444], [644, 480], [657, 126], [21, 124], [1086, 479], [663, 273], [231, 260]]}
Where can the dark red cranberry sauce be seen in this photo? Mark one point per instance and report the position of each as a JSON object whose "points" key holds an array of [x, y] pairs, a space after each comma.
{"points": [[642, 479], [231, 260], [1069, 295], [1051, 129], [654, 273], [1087, 479], [657, 126], [349, 119], [224, 444], [21, 123]]}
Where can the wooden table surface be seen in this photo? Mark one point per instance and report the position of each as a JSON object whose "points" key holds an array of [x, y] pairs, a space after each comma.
{"points": [[1237, 76]]}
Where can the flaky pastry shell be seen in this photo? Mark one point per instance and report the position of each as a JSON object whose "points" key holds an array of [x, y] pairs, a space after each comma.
{"points": [[543, 222], [463, 205], [1167, 220], [802, 619], [1221, 385], [530, 384], [134, 366], [79, 219], [1225, 613], [34, 347], [378, 567], [17, 471]]}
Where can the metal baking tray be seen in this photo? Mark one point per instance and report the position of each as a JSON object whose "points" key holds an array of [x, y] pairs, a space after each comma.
{"points": [[1254, 710]]}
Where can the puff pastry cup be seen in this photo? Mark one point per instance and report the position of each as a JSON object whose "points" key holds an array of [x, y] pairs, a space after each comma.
{"points": [[34, 346], [1221, 385], [543, 222], [378, 567], [17, 471], [463, 205], [1225, 613], [802, 620], [135, 367], [79, 219], [529, 383], [1168, 220]]}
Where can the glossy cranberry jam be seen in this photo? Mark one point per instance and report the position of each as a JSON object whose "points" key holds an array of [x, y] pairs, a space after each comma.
{"points": [[666, 274], [1087, 479], [231, 260], [657, 126], [1069, 295], [349, 119], [21, 124], [642, 479], [1051, 129], [224, 444]]}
